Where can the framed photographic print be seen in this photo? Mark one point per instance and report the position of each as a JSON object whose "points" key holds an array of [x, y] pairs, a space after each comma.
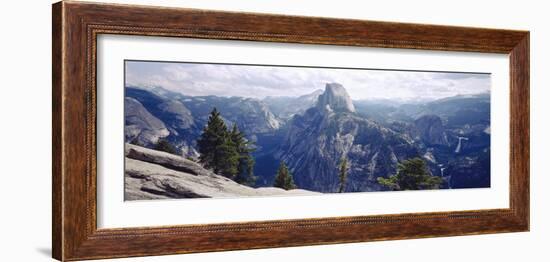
{"points": [[182, 130]]}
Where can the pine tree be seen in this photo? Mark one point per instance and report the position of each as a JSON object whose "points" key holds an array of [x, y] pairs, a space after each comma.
{"points": [[284, 179], [217, 149], [343, 174], [213, 137], [226, 159], [245, 166], [411, 174], [165, 146]]}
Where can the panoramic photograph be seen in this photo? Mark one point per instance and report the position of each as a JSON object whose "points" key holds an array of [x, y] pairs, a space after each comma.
{"points": [[210, 130]]}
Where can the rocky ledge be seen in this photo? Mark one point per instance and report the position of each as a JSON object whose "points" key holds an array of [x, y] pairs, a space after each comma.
{"points": [[151, 174]]}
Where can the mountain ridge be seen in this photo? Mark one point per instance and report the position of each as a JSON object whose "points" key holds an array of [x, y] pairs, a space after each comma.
{"points": [[328, 125], [317, 141]]}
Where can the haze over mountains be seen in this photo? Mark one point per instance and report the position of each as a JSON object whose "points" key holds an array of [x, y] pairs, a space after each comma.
{"points": [[312, 132]]}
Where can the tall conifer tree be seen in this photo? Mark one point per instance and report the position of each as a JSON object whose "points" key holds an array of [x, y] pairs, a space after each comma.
{"points": [[245, 166], [226, 152], [213, 137], [226, 158]]}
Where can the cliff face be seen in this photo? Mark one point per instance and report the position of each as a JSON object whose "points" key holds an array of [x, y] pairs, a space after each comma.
{"points": [[141, 124], [429, 129], [317, 140], [335, 98], [151, 174]]}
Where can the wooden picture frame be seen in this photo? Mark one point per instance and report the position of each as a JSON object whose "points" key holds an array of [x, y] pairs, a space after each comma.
{"points": [[76, 26]]}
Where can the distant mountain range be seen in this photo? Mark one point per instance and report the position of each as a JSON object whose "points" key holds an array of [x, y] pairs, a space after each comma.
{"points": [[286, 107], [313, 132]]}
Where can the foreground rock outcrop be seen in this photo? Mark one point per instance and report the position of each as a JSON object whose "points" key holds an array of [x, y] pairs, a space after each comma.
{"points": [[151, 174]]}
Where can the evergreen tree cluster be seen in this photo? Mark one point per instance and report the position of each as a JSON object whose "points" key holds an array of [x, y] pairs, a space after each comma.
{"points": [[412, 174], [165, 146], [226, 152]]}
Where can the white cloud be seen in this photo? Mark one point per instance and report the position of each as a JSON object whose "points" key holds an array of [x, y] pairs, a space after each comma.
{"points": [[260, 81]]}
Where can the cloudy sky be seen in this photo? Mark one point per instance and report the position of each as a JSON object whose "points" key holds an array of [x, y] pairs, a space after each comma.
{"points": [[261, 81]]}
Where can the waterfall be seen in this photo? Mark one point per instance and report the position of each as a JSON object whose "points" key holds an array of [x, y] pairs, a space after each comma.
{"points": [[448, 179], [459, 146]]}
